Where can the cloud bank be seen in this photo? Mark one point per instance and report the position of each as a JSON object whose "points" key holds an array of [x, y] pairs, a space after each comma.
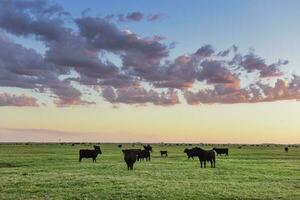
{"points": [[77, 57]]}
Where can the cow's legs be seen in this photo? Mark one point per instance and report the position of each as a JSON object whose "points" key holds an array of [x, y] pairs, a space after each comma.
{"points": [[127, 165], [211, 163]]}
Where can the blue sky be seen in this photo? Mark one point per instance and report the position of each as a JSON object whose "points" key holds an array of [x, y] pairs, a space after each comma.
{"points": [[271, 27]]}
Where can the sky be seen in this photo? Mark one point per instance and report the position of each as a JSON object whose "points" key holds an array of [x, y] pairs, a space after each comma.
{"points": [[150, 71]]}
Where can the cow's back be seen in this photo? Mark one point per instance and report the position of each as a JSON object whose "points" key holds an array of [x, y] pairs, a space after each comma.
{"points": [[86, 153], [130, 157]]}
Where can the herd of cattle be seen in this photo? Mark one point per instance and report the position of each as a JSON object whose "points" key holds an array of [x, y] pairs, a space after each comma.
{"points": [[133, 155]]}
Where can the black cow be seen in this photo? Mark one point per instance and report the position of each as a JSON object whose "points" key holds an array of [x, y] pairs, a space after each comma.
{"points": [[88, 153], [286, 149], [221, 151], [137, 151], [205, 155], [191, 153], [144, 154], [130, 157], [148, 147], [164, 153]]}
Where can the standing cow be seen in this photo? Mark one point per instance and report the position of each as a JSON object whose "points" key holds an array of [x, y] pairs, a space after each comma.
{"points": [[88, 153], [205, 155], [221, 151], [144, 154], [164, 153], [130, 156], [191, 153]]}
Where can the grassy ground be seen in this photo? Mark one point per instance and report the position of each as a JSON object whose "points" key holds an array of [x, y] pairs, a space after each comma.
{"points": [[52, 171]]}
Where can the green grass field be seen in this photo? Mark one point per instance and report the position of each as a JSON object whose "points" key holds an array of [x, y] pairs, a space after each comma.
{"points": [[52, 171]]}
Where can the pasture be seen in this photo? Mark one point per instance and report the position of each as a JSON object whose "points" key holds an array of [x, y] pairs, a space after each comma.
{"points": [[52, 171]]}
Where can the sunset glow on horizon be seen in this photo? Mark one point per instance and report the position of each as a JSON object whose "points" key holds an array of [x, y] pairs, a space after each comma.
{"points": [[222, 72], [189, 124]]}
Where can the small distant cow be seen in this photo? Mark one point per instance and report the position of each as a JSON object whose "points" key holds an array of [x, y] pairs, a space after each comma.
{"points": [[148, 147], [144, 154], [221, 151], [164, 153], [130, 156], [205, 155], [286, 149], [88, 153], [191, 153], [120, 146]]}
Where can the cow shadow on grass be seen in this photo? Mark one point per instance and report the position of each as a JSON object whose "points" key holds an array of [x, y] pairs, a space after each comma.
{"points": [[11, 165]]}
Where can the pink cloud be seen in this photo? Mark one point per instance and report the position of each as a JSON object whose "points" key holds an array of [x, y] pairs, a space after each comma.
{"points": [[17, 100], [138, 95]]}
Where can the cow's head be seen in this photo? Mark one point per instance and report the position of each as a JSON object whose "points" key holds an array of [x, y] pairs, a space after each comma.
{"points": [[97, 148]]}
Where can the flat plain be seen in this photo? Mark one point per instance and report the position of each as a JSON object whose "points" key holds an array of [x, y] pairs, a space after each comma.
{"points": [[52, 171]]}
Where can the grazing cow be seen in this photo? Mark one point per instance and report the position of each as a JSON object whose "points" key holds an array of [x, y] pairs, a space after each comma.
{"points": [[130, 157], [165, 153], [143, 154], [148, 147], [205, 155], [221, 151], [286, 149], [120, 146], [88, 153], [191, 153]]}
